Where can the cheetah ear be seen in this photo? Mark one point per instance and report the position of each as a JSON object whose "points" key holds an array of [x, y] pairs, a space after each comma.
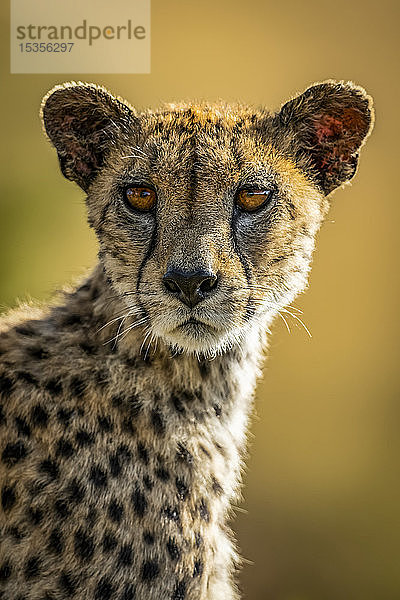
{"points": [[82, 121], [328, 124]]}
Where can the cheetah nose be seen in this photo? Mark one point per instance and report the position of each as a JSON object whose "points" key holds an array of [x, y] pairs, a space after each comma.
{"points": [[190, 287]]}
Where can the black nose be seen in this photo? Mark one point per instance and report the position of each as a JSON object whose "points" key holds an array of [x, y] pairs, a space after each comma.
{"points": [[190, 287]]}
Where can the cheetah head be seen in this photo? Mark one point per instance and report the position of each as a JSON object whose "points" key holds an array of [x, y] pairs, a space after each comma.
{"points": [[206, 214]]}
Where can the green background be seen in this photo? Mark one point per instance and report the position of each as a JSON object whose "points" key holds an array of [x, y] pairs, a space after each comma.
{"points": [[322, 486]]}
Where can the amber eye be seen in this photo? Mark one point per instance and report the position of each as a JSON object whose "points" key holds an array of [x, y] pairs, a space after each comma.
{"points": [[141, 197], [251, 200]]}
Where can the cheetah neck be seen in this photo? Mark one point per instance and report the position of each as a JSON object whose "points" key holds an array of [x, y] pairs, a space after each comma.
{"points": [[193, 415], [209, 397]]}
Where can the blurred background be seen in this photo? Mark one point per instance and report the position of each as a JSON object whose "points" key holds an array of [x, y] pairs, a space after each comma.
{"points": [[320, 516]]}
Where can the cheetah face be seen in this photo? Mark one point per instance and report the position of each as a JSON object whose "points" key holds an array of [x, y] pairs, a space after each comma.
{"points": [[206, 214]]}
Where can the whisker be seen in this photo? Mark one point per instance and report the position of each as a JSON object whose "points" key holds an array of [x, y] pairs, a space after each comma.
{"points": [[299, 320], [118, 330], [149, 346], [285, 321], [133, 326], [298, 310], [114, 320], [144, 340], [134, 156], [124, 333]]}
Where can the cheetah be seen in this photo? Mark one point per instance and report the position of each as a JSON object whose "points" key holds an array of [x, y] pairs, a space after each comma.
{"points": [[125, 401]]}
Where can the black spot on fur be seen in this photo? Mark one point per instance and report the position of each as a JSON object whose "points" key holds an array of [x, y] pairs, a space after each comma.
{"points": [[56, 543], [198, 539], [8, 497], [171, 513], [129, 592], [198, 568], [35, 515], [183, 454], [139, 503], [27, 377], [104, 589], [67, 583], [32, 567], [189, 397], [203, 511], [178, 405], [216, 486], [22, 427], [3, 419], [143, 453], [217, 409], [13, 453], [116, 460], [181, 488], [128, 427], [91, 517], [26, 330], [61, 506], [179, 591], [148, 538], [149, 484], [150, 570], [123, 452], [98, 477], [117, 401], [77, 387], [88, 347], [5, 571], [17, 533], [173, 549], [64, 448], [49, 467], [115, 511], [125, 557], [39, 416], [76, 491], [37, 352], [131, 361], [220, 449], [105, 423], [64, 416], [6, 384], [84, 438], [71, 320], [204, 451], [83, 545], [162, 474], [115, 465], [53, 386], [278, 259], [157, 422], [109, 542]]}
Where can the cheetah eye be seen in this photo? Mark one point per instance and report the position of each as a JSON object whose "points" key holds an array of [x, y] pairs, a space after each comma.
{"points": [[252, 200], [140, 197]]}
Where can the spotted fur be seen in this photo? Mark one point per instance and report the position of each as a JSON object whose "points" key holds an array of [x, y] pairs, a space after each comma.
{"points": [[121, 440]]}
